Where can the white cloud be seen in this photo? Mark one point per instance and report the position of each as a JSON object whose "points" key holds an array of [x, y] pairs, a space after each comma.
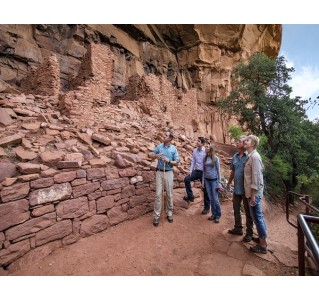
{"points": [[305, 82], [289, 62]]}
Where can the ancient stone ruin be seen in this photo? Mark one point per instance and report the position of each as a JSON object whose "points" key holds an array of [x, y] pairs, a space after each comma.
{"points": [[77, 124]]}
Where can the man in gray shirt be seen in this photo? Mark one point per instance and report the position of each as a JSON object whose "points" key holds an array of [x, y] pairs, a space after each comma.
{"points": [[237, 173]]}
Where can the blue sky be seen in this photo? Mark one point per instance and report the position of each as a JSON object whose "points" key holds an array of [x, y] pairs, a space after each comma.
{"points": [[300, 46]]}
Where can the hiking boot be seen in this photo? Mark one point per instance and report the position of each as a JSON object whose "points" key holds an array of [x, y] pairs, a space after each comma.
{"points": [[205, 211], [258, 249], [235, 231], [189, 199], [211, 218], [247, 238], [170, 219], [155, 222], [217, 220]]}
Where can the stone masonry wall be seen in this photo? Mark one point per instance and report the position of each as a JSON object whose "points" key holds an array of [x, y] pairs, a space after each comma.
{"points": [[159, 98], [44, 80], [66, 205], [92, 85]]}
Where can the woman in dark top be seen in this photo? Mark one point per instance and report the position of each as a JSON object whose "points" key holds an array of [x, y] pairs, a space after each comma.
{"points": [[211, 181]]}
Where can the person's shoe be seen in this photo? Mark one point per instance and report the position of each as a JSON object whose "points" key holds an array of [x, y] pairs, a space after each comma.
{"points": [[155, 222], [205, 211], [170, 219], [211, 218], [247, 238], [188, 199], [217, 220], [235, 231], [258, 249]]}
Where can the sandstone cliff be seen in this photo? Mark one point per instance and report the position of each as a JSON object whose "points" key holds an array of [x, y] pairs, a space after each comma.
{"points": [[81, 108], [190, 63]]}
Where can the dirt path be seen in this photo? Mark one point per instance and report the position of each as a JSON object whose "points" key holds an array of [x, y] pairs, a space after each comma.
{"points": [[191, 245]]}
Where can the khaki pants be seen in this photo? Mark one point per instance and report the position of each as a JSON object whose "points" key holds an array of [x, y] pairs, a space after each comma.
{"points": [[169, 183]]}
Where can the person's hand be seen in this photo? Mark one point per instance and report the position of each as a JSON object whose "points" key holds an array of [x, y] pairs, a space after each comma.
{"points": [[252, 201], [165, 159], [202, 186]]}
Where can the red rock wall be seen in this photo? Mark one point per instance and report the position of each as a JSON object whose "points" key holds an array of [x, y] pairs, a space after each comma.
{"points": [[159, 98], [44, 80], [69, 204], [92, 85]]}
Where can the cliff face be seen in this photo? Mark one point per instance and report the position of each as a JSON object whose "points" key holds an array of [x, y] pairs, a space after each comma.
{"points": [[81, 108], [197, 58]]}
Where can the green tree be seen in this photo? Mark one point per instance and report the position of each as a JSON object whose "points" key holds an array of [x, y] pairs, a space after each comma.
{"points": [[235, 132], [263, 106]]}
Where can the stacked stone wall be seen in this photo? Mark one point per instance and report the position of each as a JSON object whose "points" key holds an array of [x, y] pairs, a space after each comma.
{"points": [[159, 98], [92, 86], [66, 205], [44, 80]]}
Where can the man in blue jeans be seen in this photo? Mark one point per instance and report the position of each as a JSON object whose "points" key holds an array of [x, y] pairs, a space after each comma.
{"points": [[254, 187], [196, 173], [237, 174]]}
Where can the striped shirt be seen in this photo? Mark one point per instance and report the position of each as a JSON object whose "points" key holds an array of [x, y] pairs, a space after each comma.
{"points": [[198, 159]]}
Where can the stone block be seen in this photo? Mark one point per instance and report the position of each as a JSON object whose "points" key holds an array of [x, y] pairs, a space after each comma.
{"points": [[94, 225], [104, 203], [65, 177], [85, 189], [78, 182], [55, 232], [128, 172], [29, 177], [42, 183], [50, 158], [111, 174], [101, 139], [37, 212], [128, 191], [73, 208], [119, 218], [148, 176], [7, 169], [10, 140], [80, 174], [95, 173], [15, 192], [31, 226], [13, 252], [56, 192], [114, 183], [143, 191], [138, 200], [29, 168], [136, 212], [68, 164], [13, 213]]}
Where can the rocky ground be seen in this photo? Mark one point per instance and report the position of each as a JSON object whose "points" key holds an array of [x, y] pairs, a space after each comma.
{"points": [[34, 133], [191, 245]]}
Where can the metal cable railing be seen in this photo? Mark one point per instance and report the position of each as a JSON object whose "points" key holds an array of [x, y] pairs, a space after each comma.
{"points": [[304, 231]]}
